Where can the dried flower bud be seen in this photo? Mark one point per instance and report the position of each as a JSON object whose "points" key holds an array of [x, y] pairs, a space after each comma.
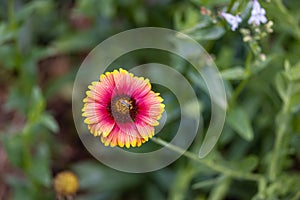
{"points": [[262, 57], [269, 26], [245, 31], [205, 11], [66, 183], [247, 38]]}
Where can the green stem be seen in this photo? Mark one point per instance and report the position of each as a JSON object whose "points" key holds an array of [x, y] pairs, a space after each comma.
{"points": [[290, 19], [206, 183], [26, 148], [237, 92], [180, 185], [275, 165], [209, 163], [13, 27], [230, 5], [297, 196], [220, 190], [242, 84], [11, 17], [273, 172]]}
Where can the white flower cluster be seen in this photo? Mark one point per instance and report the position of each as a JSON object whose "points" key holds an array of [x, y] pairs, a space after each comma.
{"points": [[257, 16], [232, 20]]}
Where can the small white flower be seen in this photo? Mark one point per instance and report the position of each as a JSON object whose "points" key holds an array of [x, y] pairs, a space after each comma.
{"points": [[257, 14], [232, 20]]}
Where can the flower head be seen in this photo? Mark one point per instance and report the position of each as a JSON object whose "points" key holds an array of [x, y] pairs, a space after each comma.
{"points": [[122, 109], [66, 183], [257, 14], [232, 20]]}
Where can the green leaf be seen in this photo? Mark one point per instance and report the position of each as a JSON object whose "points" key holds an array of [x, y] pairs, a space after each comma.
{"points": [[235, 73], [6, 34], [295, 141], [37, 105], [294, 73], [280, 84], [239, 121], [212, 32], [282, 120], [284, 18], [24, 189], [220, 189], [206, 183], [49, 122], [21, 190], [153, 192], [95, 177], [7, 53], [287, 65], [13, 146], [16, 100], [202, 24], [295, 88], [186, 17], [75, 42], [93, 8], [248, 164], [40, 166], [96, 195], [243, 164], [41, 7], [54, 86], [205, 29], [260, 65], [295, 103]]}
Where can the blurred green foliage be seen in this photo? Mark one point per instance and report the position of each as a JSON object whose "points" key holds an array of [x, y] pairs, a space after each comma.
{"points": [[42, 44]]}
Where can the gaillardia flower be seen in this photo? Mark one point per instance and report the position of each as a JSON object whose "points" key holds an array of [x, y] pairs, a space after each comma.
{"points": [[122, 109]]}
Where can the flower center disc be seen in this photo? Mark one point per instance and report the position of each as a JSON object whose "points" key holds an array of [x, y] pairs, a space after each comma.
{"points": [[123, 109]]}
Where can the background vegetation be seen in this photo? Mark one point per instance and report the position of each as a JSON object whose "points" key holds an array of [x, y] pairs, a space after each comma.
{"points": [[42, 44]]}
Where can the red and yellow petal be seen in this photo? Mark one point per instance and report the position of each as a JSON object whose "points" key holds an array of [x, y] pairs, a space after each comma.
{"points": [[97, 109], [117, 137]]}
